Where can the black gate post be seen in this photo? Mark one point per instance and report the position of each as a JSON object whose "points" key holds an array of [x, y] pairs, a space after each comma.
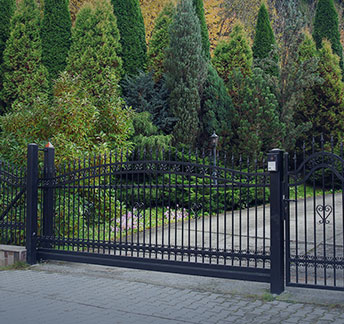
{"points": [[275, 167], [48, 193], [32, 199]]}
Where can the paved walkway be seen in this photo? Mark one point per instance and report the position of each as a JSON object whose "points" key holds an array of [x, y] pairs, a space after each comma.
{"points": [[66, 293]]}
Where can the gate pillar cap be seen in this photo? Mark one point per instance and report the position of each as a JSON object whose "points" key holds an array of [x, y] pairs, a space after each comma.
{"points": [[49, 145]]}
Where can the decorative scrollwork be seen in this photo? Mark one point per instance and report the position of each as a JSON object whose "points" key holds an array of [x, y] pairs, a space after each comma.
{"points": [[324, 211]]}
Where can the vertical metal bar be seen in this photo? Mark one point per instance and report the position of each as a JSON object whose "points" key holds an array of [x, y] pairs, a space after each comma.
{"points": [[248, 212], [183, 170], [287, 218], [144, 201], [48, 193], [189, 209], [240, 211], [169, 204], [305, 212], [233, 219], [333, 218], [276, 222], [32, 199]]}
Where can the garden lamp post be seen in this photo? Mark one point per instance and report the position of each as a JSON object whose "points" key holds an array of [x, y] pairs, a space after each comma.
{"points": [[214, 139]]}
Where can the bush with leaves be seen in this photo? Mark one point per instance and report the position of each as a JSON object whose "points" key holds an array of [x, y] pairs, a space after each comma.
{"points": [[147, 135]]}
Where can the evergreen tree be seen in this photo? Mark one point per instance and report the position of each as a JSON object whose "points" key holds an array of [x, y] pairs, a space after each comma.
{"points": [[235, 53], [216, 111], [132, 30], [142, 94], [323, 104], [56, 36], [24, 75], [264, 39], [198, 5], [256, 124], [159, 41], [296, 75], [326, 26], [185, 72], [7, 8], [93, 58]]}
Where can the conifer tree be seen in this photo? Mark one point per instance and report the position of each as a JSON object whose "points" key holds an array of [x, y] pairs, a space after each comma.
{"points": [[132, 31], [326, 26], [56, 36], [159, 41], [323, 104], [24, 75], [93, 57], [7, 8], [264, 39], [216, 111], [185, 72], [198, 5], [235, 53], [256, 123]]}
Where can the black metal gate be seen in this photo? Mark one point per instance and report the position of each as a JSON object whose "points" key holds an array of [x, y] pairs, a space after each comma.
{"points": [[12, 204], [166, 211], [314, 203]]}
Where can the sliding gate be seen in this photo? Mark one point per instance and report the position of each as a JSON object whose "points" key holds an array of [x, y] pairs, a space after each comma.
{"points": [[166, 211]]}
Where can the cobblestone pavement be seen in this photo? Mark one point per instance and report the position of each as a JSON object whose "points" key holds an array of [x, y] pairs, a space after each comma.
{"points": [[65, 294]]}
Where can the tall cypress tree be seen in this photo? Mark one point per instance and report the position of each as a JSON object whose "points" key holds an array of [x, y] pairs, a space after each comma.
{"points": [[186, 70], [7, 8], [56, 36], [198, 5], [132, 31], [24, 75], [264, 38], [326, 26], [323, 104], [159, 41], [93, 58]]}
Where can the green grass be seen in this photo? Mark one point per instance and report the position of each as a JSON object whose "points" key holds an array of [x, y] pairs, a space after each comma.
{"points": [[16, 266]]}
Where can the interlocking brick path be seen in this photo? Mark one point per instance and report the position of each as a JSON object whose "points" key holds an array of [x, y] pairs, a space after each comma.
{"points": [[69, 294]]}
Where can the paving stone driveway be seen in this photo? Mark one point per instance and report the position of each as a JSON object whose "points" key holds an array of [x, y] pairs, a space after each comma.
{"points": [[64, 293]]}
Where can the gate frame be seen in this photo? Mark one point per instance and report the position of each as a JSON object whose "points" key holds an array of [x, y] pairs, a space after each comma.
{"points": [[274, 275]]}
